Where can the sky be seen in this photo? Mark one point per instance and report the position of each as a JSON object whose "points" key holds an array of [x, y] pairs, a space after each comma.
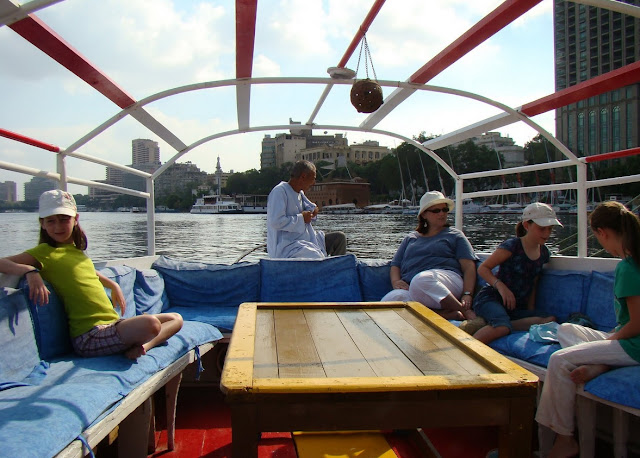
{"points": [[147, 46]]}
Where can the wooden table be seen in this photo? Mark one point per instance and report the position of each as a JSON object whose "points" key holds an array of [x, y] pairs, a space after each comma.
{"points": [[363, 366]]}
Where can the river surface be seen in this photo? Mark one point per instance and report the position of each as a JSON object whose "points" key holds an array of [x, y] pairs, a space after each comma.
{"points": [[225, 238]]}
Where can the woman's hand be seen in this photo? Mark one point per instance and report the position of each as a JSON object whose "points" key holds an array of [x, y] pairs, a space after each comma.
{"points": [[466, 301], [38, 292], [400, 284]]}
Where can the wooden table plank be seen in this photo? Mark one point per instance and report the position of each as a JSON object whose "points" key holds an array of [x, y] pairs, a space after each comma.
{"points": [[448, 349], [421, 347], [265, 363], [297, 355], [339, 354], [382, 354]]}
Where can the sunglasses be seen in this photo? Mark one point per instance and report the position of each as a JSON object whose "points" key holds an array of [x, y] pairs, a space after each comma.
{"points": [[438, 210]]}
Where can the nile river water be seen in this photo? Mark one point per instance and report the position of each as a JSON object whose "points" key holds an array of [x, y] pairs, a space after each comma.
{"points": [[225, 238]]}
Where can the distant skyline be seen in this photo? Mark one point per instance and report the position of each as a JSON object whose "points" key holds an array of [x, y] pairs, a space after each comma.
{"points": [[148, 46]]}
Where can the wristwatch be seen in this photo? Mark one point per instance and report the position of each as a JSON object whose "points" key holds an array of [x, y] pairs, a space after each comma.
{"points": [[467, 293]]}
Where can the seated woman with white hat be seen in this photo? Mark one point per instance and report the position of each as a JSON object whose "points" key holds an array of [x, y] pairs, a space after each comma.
{"points": [[435, 264]]}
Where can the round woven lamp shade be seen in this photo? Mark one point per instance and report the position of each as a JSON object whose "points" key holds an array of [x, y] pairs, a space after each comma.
{"points": [[366, 96]]}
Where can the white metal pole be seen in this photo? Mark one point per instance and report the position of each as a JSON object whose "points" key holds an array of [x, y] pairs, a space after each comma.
{"points": [[151, 219], [581, 197], [459, 186], [62, 170]]}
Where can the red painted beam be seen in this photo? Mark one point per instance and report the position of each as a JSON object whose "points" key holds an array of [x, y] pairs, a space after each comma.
{"points": [[623, 76], [613, 155], [28, 141], [495, 21], [245, 36], [373, 12], [40, 35]]}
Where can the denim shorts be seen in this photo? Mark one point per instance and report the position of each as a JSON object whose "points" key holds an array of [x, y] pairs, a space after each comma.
{"points": [[495, 314]]}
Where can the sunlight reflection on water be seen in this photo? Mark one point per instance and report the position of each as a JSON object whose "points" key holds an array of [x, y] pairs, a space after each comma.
{"points": [[224, 238]]}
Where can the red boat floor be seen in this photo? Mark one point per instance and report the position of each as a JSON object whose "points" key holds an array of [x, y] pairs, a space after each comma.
{"points": [[203, 429]]}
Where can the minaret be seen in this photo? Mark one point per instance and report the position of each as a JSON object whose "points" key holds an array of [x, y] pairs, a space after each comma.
{"points": [[219, 175]]}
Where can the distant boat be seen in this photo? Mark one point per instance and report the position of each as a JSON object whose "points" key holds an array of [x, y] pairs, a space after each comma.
{"points": [[216, 204], [471, 207], [383, 208], [252, 203], [341, 209]]}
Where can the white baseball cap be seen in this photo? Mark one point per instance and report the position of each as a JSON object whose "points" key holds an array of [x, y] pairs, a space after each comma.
{"points": [[541, 214], [57, 202], [433, 198]]}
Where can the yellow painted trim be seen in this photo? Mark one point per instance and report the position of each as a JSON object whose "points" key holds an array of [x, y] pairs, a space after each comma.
{"points": [[238, 371], [352, 444]]}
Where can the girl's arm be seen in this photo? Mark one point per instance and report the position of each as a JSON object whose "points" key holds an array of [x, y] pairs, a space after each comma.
{"points": [[25, 264], [484, 270], [632, 328], [116, 293], [396, 281]]}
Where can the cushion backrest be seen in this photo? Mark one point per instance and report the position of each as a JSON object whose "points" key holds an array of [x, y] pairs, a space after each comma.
{"points": [[599, 303], [196, 284], [333, 279], [373, 276], [17, 337], [125, 277], [562, 292], [50, 324], [149, 292]]}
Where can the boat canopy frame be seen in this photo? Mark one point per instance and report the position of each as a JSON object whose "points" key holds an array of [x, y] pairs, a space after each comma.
{"points": [[21, 19]]}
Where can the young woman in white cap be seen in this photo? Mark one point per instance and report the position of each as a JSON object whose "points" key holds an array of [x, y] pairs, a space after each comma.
{"points": [[586, 352], [435, 264], [508, 301], [94, 325]]}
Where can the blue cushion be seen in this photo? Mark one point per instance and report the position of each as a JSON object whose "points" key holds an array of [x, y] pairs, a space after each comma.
{"points": [[310, 280], [222, 318], [125, 277], [149, 292], [561, 293], [51, 324], [17, 337], [196, 284], [373, 276], [599, 305], [519, 345], [617, 385]]}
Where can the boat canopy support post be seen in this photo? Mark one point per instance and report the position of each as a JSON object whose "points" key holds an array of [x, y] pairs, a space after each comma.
{"points": [[62, 170], [459, 196], [581, 196], [151, 219]]}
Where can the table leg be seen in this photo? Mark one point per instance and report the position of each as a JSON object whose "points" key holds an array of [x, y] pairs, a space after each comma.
{"points": [[244, 431], [516, 437]]}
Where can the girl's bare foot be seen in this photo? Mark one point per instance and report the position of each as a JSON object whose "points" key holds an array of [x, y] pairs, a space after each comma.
{"points": [[582, 374], [450, 314], [564, 447], [135, 352]]}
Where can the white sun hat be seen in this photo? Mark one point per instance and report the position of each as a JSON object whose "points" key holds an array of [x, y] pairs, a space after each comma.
{"points": [[541, 214], [433, 198], [56, 202]]}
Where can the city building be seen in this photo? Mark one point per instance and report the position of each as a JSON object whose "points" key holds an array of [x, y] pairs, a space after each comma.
{"points": [[8, 191], [356, 191], [177, 178], [368, 151], [145, 151], [36, 186], [268, 154], [512, 154], [588, 42]]}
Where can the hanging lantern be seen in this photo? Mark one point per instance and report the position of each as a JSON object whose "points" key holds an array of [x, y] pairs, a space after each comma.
{"points": [[366, 94]]}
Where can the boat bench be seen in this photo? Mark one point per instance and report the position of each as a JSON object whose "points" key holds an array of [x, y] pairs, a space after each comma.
{"points": [[212, 292], [53, 402]]}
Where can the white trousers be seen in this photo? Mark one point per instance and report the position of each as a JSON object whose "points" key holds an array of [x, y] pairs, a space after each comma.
{"points": [[429, 288], [581, 346]]}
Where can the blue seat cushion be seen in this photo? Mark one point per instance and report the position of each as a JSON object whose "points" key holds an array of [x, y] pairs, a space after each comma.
{"points": [[149, 293], [196, 284], [50, 323], [17, 338], [373, 276], [222, 318], [599, 303], [77, 391], [125, 277], [519, 345], [617, 385], [333, 279], [561, 293]]}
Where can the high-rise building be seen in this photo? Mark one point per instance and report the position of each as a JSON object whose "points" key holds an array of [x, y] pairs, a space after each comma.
{"points": [[268, 154], [8, 191], [591, 41], [36, 186], [144, 151]]}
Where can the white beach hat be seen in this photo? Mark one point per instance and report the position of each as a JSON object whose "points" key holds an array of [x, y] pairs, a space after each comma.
{"points": [[57, 202], [433, 198], [541, 214]]}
